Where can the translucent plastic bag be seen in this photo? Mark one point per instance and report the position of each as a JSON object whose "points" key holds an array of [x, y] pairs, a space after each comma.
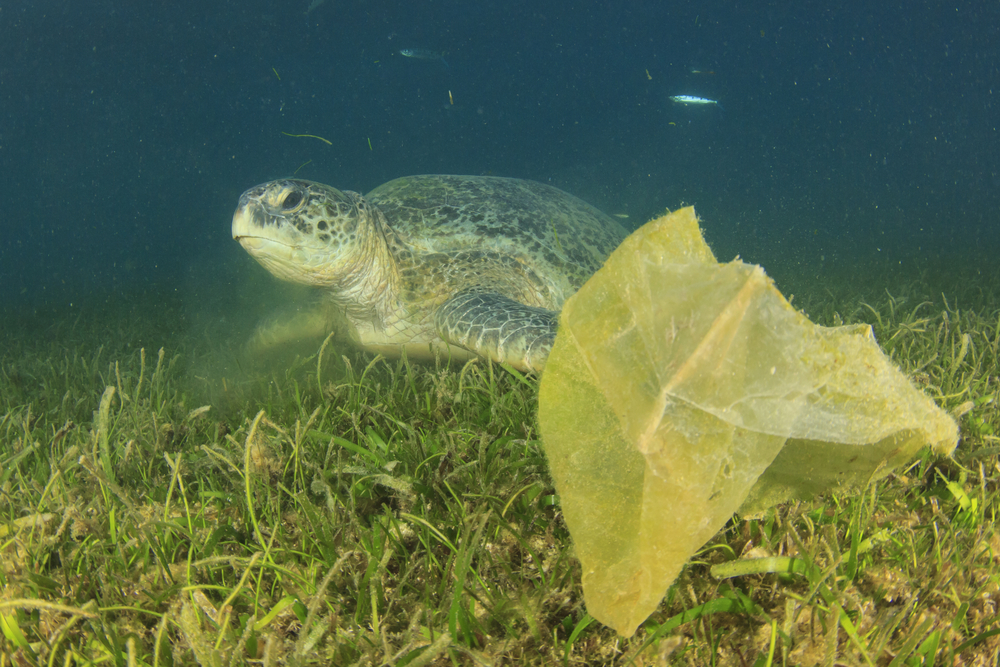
{"points": [[680, 390]]}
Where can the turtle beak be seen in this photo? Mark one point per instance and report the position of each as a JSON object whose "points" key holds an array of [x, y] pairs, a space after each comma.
{"points": [[243, 222], [283, 259], [251, 228], [249, 218], [273, 242]]}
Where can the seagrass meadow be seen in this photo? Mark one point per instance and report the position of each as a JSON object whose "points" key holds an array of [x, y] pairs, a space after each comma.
{"points": [[167, 498]]}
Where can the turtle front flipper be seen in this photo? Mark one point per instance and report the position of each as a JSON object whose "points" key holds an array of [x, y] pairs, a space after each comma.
{"points": [[499, 328]]}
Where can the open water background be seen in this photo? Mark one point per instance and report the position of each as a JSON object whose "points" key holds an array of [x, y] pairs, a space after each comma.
{"points": [[847, 135]]}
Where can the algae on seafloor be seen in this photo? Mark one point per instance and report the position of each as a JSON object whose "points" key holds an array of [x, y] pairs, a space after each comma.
{"points": [[680, 390]]}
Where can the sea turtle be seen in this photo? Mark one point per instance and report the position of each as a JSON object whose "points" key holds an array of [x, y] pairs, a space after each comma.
{"points": [[451, 265]]}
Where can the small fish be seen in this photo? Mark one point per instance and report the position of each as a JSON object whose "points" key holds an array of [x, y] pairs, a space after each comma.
{"points": [[623, 216], [423, 54], [691, 99]]}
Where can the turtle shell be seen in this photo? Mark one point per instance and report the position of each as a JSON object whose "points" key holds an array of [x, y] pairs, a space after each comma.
{"points": [[558, 236]]}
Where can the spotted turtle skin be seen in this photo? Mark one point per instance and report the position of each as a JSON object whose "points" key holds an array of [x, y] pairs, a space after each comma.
{"points": [[432, 265]]}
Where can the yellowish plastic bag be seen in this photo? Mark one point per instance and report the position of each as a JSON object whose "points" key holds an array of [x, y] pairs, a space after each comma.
{"points": [[680, 390]]}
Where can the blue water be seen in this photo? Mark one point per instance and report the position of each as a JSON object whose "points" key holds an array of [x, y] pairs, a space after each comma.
{"points": [[129, 130]]}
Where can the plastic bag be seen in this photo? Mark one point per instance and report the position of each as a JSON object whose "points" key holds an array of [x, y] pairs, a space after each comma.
{"points": [[680, 389]]}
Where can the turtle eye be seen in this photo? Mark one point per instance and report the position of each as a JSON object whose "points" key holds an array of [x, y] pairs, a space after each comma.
{"points": [[292, 200]]}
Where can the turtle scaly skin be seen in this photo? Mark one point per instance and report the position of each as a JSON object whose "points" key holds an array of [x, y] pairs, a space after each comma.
{"points": [[460, 265], [499, 328]]}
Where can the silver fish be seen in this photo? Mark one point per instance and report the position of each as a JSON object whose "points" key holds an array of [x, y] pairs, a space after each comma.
{"points": [[422, 54], [691, 99]]}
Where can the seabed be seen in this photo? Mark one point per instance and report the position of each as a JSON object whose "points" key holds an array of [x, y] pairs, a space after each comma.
{"points": [[167, 498]]}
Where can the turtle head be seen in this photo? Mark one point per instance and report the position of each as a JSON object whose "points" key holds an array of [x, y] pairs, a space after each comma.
{"points": [[305, 232]]}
